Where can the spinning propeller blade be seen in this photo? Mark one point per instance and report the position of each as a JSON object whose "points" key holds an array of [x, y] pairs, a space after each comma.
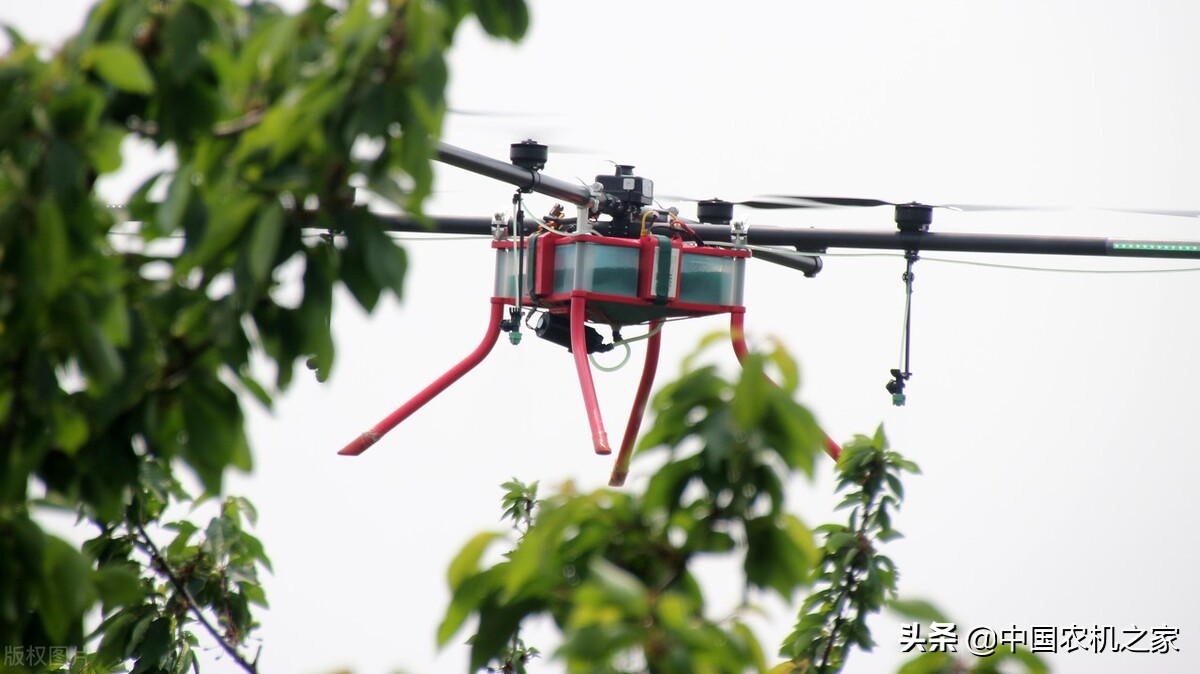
{"points": [[855, 202], [858, 202]]}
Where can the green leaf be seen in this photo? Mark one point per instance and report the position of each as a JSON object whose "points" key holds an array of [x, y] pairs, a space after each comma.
{"points": [[118, 584], [497, 624], [263, 245], [752, 646], [668, 483], [254, 548], [183, 38], [675, 611], [237, 507], [121, 66], [788, 369], [70, 429], [65, 590], [215, 430], [219, 234], [466, 562], [840, 541], [503, 18], [51, 252], [254, 594], [172, 212], [879, 441], [689, 361], [115, 635], [186, 659], [751, 393], [802, 540], [386, 261], [777, 557], [151, 651], [255, 388], [114, 320], [104, 150], [186, 530], [620, 586], [465, 601]]}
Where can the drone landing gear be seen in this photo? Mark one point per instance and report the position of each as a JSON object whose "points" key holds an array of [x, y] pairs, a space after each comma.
{"points": [[364, 441], [621, 467], [580, 351]]}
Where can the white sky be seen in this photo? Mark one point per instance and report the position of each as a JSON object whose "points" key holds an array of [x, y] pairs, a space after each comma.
{"points": [[1053, 414]]}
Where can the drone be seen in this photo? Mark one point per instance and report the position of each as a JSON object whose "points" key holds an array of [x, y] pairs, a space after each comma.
{"points": [[622, 261]]}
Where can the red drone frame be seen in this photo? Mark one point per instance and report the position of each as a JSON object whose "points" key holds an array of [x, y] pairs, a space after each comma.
{"points": [[644, 266], [581, 278]]}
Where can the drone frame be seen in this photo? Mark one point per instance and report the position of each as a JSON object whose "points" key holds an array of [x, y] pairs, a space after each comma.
{"points": [[589, 277], [623, 196]]}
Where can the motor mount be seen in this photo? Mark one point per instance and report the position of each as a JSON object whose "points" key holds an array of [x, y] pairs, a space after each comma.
{"points": [[625, 194]]}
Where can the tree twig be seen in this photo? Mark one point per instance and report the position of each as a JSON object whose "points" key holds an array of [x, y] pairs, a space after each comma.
{"points": [[161, 564], [851, 574], [235, 126]]}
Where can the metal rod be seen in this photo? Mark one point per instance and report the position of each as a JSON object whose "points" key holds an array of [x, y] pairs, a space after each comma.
{"points": [[579, 350], [438, 225], [621, 467], [513, 175], [363, 442], [816, 240]]}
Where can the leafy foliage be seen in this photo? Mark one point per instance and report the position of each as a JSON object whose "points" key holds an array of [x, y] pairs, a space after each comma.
{"points": [[123, 352], [209, 576], [615, 571], [854, 578]]}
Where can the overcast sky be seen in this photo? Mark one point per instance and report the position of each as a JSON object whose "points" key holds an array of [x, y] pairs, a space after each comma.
{"points": [[1054, 414]]}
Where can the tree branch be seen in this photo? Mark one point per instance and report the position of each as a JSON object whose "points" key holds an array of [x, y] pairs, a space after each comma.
{"points": [[864, 549], [161, 563]]}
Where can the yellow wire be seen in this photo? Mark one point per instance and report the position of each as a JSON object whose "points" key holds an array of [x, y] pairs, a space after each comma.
{"points": [[644, 216]]}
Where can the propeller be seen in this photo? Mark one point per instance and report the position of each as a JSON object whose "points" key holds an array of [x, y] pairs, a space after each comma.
{"points": [[523, 124], [797, 201], [1168, 212], [761, 203], [808, 201], [817, 202]]}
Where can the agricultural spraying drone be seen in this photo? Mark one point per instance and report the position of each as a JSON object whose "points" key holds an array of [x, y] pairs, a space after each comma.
{"points": [[619, 261]]}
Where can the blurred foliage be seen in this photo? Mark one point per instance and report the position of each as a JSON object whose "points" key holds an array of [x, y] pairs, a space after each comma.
{"points": [[854, 579], [615, 570], [123, 350]]}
